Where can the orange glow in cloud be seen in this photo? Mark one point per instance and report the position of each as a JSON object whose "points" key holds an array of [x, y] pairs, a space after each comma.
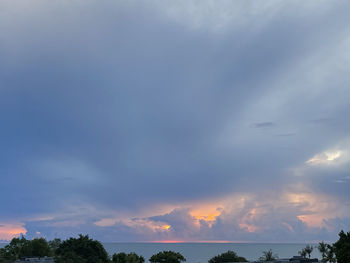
{"points": [[249, 228], [208, 217], [316, 208], [246, 221], [144, 224], [300, 198], [312, 220], [206, 212], [106, 222], [9, 231], [251, 213], [166, 227]]}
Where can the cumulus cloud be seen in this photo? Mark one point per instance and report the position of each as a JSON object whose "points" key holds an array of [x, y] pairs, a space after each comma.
{"points": [[11, 230], [294, 214]]}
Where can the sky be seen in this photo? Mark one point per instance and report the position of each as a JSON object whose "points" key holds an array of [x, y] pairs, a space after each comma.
{"points": [[185, 120]]}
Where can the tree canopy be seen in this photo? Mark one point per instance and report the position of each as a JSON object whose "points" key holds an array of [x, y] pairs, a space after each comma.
{"points": [[81, 250], [322, 247], [268, 256], [342, 247], [229, 256], [306, 251], [86, 250], [167, 257], [54, 244], [21, 247], [127, 258], [327, 252]]}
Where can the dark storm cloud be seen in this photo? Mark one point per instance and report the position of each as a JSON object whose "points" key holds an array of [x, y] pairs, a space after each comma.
{"points": [[121, 107]]}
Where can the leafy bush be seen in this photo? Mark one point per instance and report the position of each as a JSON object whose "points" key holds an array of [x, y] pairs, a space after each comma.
{"points": [[342, 247], [228, 256], [127, 258], [21, 247], [167, 257], [81, 250]]}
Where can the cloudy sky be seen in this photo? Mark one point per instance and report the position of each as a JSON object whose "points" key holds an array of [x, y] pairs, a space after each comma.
{"points": [[206, 120]]}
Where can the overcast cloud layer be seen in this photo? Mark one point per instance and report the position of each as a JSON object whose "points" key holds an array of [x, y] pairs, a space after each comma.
{"points": [[175, 120]]}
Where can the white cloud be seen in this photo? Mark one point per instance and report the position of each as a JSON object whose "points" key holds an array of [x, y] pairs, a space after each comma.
{"points": [[327, 157], [222, 15], [338, 156]]}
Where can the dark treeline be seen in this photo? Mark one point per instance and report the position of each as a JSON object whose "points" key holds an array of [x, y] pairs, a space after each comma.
{"points": [[86, 250]]}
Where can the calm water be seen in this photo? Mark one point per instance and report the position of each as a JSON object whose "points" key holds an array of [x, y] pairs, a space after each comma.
{"points": [[202, 252]]}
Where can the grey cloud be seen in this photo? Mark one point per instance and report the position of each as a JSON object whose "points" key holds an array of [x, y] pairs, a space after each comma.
{"points": [[285, 134], [321, 120], [140, 103], [268, 221], [263, 124]]}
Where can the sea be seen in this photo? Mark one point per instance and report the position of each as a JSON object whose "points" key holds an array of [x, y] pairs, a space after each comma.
{"points": [[202, 252]]}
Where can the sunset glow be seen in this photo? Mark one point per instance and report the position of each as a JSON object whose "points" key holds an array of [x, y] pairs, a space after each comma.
{"points": [[206, 212], [246, 221], [166, 227], [313, 220], [9, 231], [249, 228], [196, 241]]}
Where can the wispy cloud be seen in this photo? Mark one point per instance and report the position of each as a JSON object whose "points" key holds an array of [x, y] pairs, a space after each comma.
{"points": [[263, 124]]}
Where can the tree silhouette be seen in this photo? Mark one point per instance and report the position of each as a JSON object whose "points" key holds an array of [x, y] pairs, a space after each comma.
{"points": [[21, 247], [342, 247], [127, 258], [167, 257], [268, 256], [228, 256], [330, 256], [306, 251], [302, 253], [81, 250]]}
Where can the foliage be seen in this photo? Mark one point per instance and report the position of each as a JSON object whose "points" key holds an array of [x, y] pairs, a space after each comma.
{"points": [[228, 256], [119, 258], [322, 247], [40, 248], [54, 244], [306, 251], [302, 253], [167, 257], [21, 247], [81, 250], [268, 256], [330, 256], [342, 247], [127, 258], [327, 252]]}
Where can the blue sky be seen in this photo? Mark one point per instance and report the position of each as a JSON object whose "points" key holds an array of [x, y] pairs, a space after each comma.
{"points": [[175, 120]]}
